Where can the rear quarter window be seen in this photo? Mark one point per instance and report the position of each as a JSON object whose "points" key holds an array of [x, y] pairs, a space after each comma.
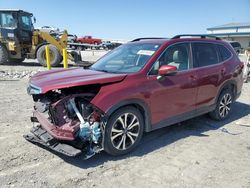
{"points": [[225, 54]]}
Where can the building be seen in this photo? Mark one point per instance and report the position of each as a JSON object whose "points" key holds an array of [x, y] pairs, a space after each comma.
{"points": [[233, 32]]}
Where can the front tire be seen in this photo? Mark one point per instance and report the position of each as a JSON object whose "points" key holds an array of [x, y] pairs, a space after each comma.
{"points": [[223, 106], [123, 131], [55, 56]]}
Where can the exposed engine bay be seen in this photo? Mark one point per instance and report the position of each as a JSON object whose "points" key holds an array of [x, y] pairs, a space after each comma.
{"points": [[66, 122]]}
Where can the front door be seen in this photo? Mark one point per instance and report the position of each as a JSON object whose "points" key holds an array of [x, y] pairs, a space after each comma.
{"points": [[25, 28], [175, 95]]}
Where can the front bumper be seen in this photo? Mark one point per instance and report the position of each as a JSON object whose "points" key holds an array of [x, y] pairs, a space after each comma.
{"points": [[41, 137], [65, 132]]}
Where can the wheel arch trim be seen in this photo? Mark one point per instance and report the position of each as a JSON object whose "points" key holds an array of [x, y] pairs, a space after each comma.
{"points": [[225, 85], [134, 102]]}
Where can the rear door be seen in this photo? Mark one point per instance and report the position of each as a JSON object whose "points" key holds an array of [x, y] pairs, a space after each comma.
{"points": [[210, 72]]}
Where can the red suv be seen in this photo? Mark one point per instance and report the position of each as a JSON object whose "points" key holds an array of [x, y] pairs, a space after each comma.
{"points": [[140, 86]]}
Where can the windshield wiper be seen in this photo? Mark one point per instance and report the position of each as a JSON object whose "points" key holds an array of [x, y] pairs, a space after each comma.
{"points": [[104, 70], [101, 70]]}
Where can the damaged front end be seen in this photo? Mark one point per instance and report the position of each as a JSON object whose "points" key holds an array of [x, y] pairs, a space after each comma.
{"points": [[66, 122]]}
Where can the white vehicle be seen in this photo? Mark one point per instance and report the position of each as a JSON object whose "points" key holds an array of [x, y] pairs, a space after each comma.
{"points": [[48, 29], [71, 38]]}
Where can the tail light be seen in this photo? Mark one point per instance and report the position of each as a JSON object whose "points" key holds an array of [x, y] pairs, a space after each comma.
{"points": [[241, 65]]}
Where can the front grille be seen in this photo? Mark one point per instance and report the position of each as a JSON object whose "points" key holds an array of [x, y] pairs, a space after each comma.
{"points": [[52, 115]]}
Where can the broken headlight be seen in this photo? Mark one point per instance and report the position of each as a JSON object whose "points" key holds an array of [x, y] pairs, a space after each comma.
{"points": [[31, 90]]}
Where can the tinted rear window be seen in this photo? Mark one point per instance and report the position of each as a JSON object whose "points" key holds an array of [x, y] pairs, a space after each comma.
{"points": [[224, 52], [204, 54]]}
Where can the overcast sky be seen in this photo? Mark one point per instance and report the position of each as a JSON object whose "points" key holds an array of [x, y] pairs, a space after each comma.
{"points": [[130, 19]]}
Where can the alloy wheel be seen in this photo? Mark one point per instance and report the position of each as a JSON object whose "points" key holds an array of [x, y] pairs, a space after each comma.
{"points": [[225, 105], [125, 131]]}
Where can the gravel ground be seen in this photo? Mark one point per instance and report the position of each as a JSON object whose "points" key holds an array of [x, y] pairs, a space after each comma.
{"points": [[30, 67], [196, 153]]}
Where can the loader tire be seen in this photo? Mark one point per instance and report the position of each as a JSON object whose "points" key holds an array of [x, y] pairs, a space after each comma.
{"points": [[3, 55], [55, 56]]}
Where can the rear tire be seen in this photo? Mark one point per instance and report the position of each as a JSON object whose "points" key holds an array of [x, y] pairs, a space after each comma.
{"points": [[55, 56], [123, 131], [223, 106], [3, 55]]}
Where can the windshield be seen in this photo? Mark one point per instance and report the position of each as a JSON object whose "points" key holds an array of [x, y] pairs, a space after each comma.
{"points": [[7, 20], [127, 58]]}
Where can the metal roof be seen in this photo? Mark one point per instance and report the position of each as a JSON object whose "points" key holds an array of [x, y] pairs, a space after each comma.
{"points": [[10, 10], [231, 34], [231, 26], [14, 10]]}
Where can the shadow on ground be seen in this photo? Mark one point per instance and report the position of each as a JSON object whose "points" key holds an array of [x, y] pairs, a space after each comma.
{"points": [[168, 135]]}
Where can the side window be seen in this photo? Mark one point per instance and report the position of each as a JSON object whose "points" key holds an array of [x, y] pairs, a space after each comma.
{"points": [[224, 52], [176, 55], [25, 21], [204, 54]]}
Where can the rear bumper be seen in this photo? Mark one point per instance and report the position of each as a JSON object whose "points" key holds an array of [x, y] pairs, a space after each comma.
{"points": [[41, 137]]}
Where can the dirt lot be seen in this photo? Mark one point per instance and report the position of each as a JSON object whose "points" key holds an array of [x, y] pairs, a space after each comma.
{"points": [[196, 153]]}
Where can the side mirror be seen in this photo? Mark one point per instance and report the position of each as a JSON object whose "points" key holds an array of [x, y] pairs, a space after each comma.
{"points": [[34, 19], [166, 70]]}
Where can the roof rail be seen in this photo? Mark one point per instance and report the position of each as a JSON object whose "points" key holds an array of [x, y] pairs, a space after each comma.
{"points": [[147, 38], [197, 35]]}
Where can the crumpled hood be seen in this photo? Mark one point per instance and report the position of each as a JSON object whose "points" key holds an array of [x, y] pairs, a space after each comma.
{"points": [[65, 78]]}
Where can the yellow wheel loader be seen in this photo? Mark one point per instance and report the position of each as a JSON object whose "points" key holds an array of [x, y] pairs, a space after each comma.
{"points": [[19, 40]]}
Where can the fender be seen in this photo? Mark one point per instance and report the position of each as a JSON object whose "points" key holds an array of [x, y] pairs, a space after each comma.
{"points": [[137, 102], [224, 85]]}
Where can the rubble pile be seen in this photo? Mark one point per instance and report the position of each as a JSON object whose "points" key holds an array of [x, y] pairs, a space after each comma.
{"points": [[17, 74]]}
